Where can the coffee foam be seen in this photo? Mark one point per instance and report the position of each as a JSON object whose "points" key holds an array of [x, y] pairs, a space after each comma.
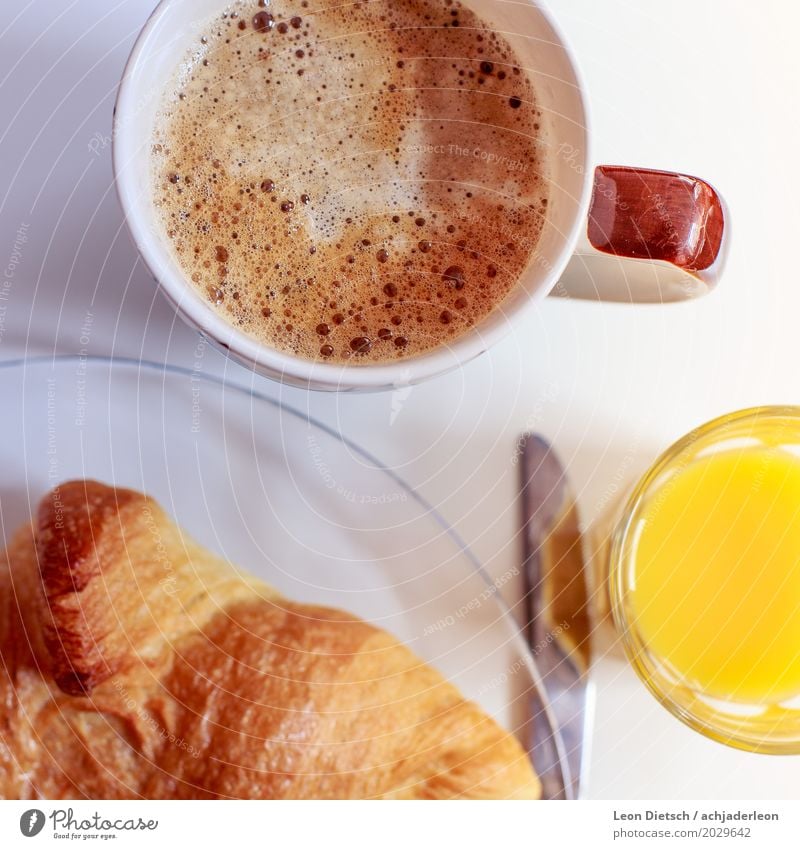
{"points": [[354, 183]]}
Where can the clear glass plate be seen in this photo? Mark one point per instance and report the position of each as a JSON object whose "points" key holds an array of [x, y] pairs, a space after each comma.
{"points": [[277, 494]]}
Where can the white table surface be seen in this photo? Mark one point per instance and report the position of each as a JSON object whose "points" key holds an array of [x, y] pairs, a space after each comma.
{"points": [[704, 86]]}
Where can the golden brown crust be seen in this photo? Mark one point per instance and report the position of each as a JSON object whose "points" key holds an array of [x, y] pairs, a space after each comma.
{"points": [[75, 530], [136, 664]]}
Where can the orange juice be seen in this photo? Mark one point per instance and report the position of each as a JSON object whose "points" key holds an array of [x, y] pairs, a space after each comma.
{"points": [[714, 573]]}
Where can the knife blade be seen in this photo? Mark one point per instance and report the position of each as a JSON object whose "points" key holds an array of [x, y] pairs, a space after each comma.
{"points": [[558, 620]]}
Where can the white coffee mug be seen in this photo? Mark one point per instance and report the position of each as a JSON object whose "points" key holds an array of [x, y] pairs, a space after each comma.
{"points": [[611, 232]]}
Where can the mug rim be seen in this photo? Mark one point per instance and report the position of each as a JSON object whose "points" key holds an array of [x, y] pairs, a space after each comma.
{"points": [[293, 370], [635, 648]]}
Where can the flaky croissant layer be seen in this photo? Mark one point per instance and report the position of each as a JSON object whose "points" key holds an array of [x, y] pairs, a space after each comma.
{"points": [[137, 664]]}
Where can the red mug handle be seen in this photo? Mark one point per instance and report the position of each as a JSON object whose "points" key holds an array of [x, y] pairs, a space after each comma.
{"points": [[652, 236]]}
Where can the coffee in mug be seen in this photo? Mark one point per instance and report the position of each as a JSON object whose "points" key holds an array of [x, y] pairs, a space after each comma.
{"points": [[354, 182]]}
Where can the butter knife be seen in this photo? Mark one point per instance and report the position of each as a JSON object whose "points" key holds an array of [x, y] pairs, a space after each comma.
{"points": [[558, 621]]}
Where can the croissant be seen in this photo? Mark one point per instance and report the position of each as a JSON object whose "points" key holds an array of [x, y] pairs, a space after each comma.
{"points": [[136, 664]]}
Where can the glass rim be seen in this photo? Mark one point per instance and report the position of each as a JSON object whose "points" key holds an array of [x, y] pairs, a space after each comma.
{"points": [[634, 646]]}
